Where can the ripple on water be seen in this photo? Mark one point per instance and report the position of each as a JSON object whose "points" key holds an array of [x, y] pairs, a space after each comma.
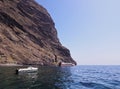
{"points": [[94, 85], [78, 77]]}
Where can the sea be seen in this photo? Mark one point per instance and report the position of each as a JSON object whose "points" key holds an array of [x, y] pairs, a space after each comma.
{"points": [[76, 77]]}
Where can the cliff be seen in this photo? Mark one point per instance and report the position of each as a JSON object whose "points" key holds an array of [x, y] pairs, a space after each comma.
{"points": [[28, 35]]}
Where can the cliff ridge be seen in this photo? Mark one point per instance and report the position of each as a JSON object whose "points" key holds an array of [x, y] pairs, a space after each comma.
{"points": [[28, 35]]}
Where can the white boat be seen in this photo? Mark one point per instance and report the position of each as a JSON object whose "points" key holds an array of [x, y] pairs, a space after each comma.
{"points": [[66, 64], [29, 69]]}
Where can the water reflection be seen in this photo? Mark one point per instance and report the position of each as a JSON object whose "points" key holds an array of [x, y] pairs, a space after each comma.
{"points": [[79, 77], [54, 77], [28, 76], [45, 78]]}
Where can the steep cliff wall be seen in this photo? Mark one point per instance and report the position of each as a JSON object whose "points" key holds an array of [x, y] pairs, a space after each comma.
{"points": [[28, 35]]}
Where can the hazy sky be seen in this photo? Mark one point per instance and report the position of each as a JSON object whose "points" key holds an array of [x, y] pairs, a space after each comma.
{"points": [[89, 28]]}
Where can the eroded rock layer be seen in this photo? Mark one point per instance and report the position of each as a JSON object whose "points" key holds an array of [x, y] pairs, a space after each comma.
{"points": [[28, 35]]}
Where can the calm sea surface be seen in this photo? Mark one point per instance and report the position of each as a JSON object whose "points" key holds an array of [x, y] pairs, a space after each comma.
{"points": [[78, 77]]}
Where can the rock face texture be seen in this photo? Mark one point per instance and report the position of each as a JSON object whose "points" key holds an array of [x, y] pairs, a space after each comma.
{"points": [[28, 35]]}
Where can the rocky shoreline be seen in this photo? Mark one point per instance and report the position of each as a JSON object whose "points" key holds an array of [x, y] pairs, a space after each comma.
{"points": [[10, 64]]}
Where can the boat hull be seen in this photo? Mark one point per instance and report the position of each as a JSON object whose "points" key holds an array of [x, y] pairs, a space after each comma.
{"points": [[26, 70]]}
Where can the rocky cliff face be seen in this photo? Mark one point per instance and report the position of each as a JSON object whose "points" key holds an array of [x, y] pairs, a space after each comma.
{"points": [[28, 35]]}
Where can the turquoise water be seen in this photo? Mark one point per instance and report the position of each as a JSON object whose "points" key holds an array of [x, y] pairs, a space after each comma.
{"points": [[78, 77]]}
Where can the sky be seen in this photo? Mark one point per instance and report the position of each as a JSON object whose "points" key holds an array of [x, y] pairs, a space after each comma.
{"points": [[90, 29]]}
